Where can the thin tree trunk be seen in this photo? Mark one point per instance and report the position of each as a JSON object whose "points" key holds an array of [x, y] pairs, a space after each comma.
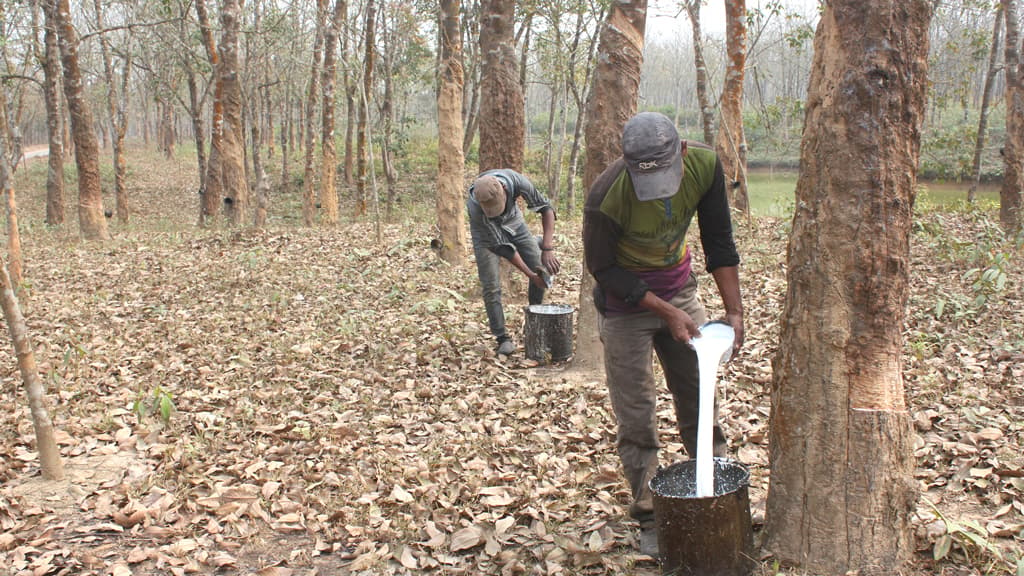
{"points": [[450, 161], [986, 99], [731, 143], [613, 100], [214, 183], [389, 48], [91, 222], [118, 122], [236, 187], [580, 98], [328, 172], [1010, 195], [707, 112], [471, 76], [312, 96], [14, 261], [842, 493], [54, 118], [49, 453], [502, 123], [363, 168]]}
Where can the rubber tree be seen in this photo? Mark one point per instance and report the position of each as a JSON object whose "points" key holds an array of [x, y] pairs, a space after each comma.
{"points": [[92, 224], [613, 100], [1010, 194], [451, 164], [841, 488]]}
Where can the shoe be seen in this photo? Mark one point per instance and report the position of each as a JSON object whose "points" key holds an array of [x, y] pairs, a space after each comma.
{"points": [[649, 541], [506, 347]]}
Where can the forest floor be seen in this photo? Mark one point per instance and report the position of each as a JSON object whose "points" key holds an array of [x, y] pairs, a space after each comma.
{"points": [[294, 401]]}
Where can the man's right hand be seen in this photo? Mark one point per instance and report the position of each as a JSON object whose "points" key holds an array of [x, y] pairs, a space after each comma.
{"points": [[681, 325], [537, 280]]}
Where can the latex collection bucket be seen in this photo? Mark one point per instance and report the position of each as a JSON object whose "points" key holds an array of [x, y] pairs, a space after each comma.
{"points": [[704, 536], [548, 332]]}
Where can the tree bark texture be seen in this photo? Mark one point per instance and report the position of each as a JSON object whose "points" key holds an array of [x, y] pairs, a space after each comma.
{"points": [[363, 166], [1010, 195], [91, 223], [49, 453], [707, 113], [986, 101], [236, 187], [213, 190], [118, 123], [329, 170], [312, 97], [54, 118], [613, 100], [731, 143], [14, 261], [841, 490], [502, 114], [451, 164]]}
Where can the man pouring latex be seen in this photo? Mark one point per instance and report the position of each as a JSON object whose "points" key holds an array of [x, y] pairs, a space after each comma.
{"points": [[635, 224]]}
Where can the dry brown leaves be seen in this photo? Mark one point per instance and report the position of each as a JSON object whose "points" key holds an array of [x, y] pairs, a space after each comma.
{"points": [[337, 408]]}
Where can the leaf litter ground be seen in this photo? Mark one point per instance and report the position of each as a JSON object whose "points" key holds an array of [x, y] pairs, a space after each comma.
{"points": [[333, 404]]}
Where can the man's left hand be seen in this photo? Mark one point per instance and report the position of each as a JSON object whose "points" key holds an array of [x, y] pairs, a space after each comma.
{"points": [[550, 261]]}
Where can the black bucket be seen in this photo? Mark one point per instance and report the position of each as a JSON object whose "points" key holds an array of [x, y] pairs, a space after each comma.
{"points": [[704, 536], [548, 332]]}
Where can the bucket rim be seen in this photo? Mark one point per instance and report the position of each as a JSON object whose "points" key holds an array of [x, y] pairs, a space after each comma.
{"points": [[550, 309], [663, 472]]}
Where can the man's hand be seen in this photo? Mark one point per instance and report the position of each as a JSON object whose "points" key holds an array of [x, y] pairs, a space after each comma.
{"points": [[537, 280], [736, 321], [681, 325], [550, 261]]}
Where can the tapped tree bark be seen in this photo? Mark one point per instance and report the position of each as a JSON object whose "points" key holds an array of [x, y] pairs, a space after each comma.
{"points": [[213, 190], [91, 223], [502, 124], [116, 104], [236, 186], [451, 164], [842, 492], [312, 95], [613, 100], [329, 170], [731, 143], [1011, 195], [50, 62]]}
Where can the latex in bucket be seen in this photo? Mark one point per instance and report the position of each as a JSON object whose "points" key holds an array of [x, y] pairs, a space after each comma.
{"points": [[704, 536], [548, 332]]}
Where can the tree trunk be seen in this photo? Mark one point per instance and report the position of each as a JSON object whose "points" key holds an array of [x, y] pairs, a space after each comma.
{"points": [[613, 100], [502, 124], [986, 99], [363, 166], [213, 190], [54, 118], [580, 97], [14, 261], [841, 491], [91, 223], [309, 187], [707, 112], [49, 452], [116, 104], [1010, 195], [451, 163], [328, 172], [236, 187], [731, 143]]}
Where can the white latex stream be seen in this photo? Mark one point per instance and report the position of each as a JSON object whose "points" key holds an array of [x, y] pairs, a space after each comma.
{"points": [[714, 346]]}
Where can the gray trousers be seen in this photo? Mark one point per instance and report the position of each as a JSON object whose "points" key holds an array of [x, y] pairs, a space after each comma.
{"points": [[628, 342], [488, 266]]}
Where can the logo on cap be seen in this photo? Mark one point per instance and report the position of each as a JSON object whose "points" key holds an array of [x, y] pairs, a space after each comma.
{"points": [[648, 165]]}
